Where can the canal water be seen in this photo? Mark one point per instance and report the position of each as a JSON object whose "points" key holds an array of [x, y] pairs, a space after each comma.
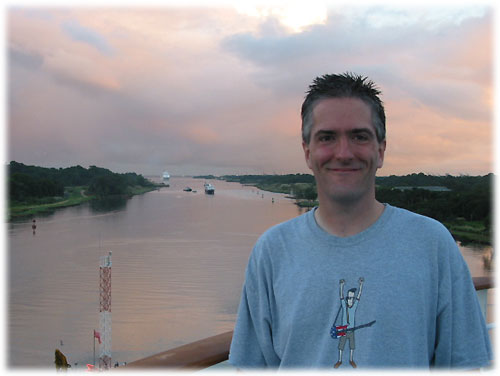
{"points": [[178, 261]]}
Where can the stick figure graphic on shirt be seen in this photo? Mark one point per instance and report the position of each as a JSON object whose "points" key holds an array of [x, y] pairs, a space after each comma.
{"points": [[345, 331]]}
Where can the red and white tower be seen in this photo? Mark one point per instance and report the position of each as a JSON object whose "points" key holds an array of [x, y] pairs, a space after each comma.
{"points": [[105, 312]]}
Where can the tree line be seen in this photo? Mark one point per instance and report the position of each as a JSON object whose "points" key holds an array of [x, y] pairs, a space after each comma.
{"points": [[467, 197], [270, 179], [300, 186], [26, 183]]}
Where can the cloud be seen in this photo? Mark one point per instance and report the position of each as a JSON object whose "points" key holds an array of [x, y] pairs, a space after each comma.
{"points": [[203, 135], [77, 32], [28, 60], [441, 60], [91, 86], [435, 142], [211, 90]]}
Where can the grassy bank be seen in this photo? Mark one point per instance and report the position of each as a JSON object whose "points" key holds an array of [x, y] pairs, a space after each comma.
{"points": [[275, 188], [73, 196], [291, 190], [139, 190], [470, 231], [306, 203]]}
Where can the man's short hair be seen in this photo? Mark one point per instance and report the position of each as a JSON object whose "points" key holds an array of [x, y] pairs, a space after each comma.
{"points": [[346, 85], [353, 290]]}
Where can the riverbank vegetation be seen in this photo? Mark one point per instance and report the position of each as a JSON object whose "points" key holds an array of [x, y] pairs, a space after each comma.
{"points": [[33, 190], [299, 186], [462, 203]]}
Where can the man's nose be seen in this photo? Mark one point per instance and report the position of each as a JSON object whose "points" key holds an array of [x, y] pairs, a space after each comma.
{"points": [[344, 148]]}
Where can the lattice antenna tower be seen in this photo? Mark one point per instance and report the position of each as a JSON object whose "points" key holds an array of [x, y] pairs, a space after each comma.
{"points": [[105, 312]]}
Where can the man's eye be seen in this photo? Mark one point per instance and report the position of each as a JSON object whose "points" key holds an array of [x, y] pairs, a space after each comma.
{"points": [[325, 138], [361, 137]]}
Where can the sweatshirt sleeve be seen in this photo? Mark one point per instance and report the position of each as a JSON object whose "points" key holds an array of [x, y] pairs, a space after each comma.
{"points": [[252, 343], [462, 339]]}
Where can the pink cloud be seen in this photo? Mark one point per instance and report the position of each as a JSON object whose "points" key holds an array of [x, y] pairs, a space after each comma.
{"points": [[216, 88], [202, 135]]}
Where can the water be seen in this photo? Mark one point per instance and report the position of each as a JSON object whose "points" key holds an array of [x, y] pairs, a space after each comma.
{"points": [[178, 267], [178, 264]]}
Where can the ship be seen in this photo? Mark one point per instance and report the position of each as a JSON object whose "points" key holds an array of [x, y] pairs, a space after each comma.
{"points": [[209, 189]]}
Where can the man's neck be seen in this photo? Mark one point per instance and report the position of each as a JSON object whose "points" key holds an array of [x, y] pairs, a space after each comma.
{"points": [[347, 219]]}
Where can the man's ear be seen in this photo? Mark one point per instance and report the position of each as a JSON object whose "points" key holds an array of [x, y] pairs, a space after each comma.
{"points": [[307, 152], [381, 153]]}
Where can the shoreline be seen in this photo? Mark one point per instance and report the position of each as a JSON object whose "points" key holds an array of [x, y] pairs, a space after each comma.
{"points": [[465, 232], [76, 197]]}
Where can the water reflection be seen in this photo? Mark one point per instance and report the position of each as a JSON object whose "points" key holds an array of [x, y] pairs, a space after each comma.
{"points": [[107, 204], [488, 260], [480, 258]]}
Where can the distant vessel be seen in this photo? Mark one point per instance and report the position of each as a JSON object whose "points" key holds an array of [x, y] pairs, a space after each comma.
{"points": [[166, 175], [209, 189]]}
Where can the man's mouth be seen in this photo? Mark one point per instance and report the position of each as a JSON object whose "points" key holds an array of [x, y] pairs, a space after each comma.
{"points": [[344, 170]]}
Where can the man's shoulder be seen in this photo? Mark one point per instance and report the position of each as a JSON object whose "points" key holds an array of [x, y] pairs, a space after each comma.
{"points": [[285, 231], [408, 215], [280, 240], [404, 218]]}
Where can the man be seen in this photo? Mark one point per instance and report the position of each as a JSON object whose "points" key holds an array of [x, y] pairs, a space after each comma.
{"points": [[417, 286]]}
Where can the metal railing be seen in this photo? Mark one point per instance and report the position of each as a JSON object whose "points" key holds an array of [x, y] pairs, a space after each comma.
{"points": [[196, 355], [214, 350]]}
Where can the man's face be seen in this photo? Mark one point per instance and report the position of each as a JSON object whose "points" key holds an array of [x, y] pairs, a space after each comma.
{"points": [[343, 151], [350, 299]]}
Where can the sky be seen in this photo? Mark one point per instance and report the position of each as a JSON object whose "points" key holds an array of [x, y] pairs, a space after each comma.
{"points": [[216, 87]]}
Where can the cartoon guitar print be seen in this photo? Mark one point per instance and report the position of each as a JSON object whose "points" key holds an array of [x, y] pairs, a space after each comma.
{"points": [[344, 329], [340, 331]]}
